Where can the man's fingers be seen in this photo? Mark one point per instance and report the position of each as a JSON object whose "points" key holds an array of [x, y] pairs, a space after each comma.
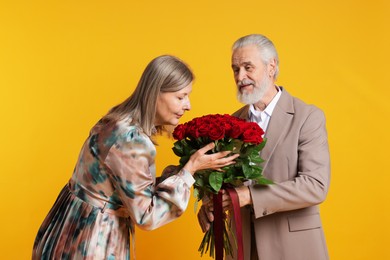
{"points": [[203, 218], [210, 217], [226, 201]]}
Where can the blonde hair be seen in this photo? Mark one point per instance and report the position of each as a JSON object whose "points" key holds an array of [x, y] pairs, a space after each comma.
{"points": [[164, 73]]}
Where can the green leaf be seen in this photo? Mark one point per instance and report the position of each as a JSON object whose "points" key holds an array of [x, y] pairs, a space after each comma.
{"points": [[237, 145], [199, 180], [264, 181], [199, 186], [248, 170], [184, 159], [262, 144], [196, 194], [200, 142], [196, 206], [178, 148], [216, 180], [187, 148], [255, 158]]}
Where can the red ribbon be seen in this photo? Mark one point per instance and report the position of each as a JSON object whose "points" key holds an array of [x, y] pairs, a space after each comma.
{"points": [[219, 219], [218, 225], [237, 219]]}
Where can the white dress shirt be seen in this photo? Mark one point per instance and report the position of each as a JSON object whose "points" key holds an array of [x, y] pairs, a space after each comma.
{"points": [[262, 117]]}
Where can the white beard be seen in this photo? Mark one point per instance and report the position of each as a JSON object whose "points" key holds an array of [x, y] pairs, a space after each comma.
{"points": [[257, 94]]}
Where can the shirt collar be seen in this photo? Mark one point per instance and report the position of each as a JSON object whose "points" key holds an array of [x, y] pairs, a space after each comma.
{"points": [[269, 109]]}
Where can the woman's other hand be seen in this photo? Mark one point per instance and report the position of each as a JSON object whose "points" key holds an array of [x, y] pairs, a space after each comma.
{"points": [[200, 160]]}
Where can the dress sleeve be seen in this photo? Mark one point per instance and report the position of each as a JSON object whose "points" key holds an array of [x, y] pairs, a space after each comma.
{"points": [[129, 162]]}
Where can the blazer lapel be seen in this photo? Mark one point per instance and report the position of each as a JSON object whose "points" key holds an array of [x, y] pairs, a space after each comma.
{"points": [[243, 113], [280, 120], [278, 125]]}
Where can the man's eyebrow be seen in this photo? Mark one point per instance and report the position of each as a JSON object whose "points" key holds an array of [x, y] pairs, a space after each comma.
{"points": [[245, 63]]}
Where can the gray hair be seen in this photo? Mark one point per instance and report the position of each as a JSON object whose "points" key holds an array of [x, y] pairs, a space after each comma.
{"points": [[165, 73], [265, 46]]}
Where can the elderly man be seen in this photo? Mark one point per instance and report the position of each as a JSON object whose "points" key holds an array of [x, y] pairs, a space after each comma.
{"points": [[280, 221]]}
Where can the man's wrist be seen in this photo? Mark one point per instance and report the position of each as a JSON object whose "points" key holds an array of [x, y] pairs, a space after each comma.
{"points": [[244, 196]]}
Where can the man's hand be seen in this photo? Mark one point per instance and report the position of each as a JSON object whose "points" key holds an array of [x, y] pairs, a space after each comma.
{"points": [[244, 197], [205, 216]]}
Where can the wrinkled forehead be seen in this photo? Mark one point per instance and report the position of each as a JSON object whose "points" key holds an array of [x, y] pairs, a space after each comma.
{"points": [[244, 55]]}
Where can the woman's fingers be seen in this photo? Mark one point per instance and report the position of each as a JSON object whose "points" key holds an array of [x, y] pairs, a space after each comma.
{"points": [[201, 160], [221, 160], [206, 148]]}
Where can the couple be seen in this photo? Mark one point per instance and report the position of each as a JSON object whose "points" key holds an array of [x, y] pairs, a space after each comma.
{"points": [[114, 187]]}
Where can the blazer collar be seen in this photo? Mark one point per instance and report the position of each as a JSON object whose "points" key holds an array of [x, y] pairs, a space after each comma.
{"points": [[278, 125], [280, 120]]}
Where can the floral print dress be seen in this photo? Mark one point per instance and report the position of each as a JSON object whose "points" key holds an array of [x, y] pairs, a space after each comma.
{"points": [[112, 188]]}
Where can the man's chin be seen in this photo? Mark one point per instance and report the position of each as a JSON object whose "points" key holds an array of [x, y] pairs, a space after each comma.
{"points": [[247, 99]]}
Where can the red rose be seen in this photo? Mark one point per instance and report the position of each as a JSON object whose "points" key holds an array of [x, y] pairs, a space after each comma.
{"points": [[216, 132], [228, 128], [203, 130], [179, 132], [253, 133], [192, 129], [218, 126], [250, 136], [238, 129]]}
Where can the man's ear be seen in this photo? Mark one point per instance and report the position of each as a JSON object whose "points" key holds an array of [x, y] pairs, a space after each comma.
{"points": [[272, 68]]}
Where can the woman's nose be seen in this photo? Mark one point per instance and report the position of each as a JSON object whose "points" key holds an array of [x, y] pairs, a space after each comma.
{"points": [[187, 105]]}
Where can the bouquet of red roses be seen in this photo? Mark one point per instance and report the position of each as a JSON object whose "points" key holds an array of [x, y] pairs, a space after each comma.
{"points": [[228, 133]]}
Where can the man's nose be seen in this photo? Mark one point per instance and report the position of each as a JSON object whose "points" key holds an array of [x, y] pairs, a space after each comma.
{"points": [[241, 75]]}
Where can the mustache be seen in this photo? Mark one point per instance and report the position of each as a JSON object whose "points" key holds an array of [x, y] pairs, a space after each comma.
{"points": [[245, 82]]}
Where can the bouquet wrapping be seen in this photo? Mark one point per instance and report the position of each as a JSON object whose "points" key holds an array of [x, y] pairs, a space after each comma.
{"points": [[228, 133]]}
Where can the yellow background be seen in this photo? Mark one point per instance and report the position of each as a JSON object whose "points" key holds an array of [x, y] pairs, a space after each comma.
{"points": [[63, 64]]}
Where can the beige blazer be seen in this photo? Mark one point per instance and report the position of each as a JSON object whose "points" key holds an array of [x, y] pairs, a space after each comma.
{"points": [[285, 216]]}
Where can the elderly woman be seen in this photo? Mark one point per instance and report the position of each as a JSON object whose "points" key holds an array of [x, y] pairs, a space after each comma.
{"points": [[113, 185]]}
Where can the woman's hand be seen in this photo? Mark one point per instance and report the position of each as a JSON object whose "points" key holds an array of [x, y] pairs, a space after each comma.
{"points": [[200, 160]]}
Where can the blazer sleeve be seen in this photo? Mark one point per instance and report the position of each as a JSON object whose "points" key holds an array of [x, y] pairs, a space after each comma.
{"points": [[307, 173]]}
